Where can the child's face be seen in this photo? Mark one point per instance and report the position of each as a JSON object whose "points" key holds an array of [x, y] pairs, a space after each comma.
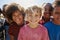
{"points": [[56, 14], [34, 17], [17, 17], [47, 12]]}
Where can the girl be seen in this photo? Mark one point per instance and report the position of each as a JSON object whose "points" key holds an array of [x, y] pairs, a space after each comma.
{"points": [[17, 17], [48, 9]]}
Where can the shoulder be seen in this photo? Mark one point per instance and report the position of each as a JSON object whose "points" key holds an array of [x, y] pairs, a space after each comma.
{"points": [[43, 28], [25, 27], [48, 23], [11, 27]]}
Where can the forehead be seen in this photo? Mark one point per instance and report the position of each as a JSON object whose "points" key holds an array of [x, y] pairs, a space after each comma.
{"points": [[34, 11], [47, 7], [57, 9], [16, 13], [29, 13], [37, 9]]}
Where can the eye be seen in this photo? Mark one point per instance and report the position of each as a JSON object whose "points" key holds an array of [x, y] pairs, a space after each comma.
{"points": [[45, 9], [57, 13], [29, 15]]}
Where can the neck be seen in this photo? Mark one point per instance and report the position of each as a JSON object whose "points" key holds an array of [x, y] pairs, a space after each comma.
{"points": [[46, 20], [33, 25]]}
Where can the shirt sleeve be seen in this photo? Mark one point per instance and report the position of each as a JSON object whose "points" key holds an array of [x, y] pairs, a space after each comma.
{"points": [[45, 35]]}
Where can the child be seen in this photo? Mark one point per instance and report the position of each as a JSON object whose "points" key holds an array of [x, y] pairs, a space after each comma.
{"points": [[1, 26], [17, 16], [6, 23], [47, 13], [33, 30], [54, 25]]}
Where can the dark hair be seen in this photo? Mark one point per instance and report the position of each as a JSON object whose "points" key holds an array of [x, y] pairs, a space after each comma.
{"points": [[50, 5], [57, 3], [0, 10], [11, 9], [4, 7]]}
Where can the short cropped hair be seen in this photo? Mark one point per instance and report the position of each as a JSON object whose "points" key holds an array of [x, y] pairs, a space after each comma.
{"points": [[57, 3]]}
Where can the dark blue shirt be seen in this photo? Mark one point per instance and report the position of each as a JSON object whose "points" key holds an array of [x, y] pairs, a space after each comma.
{"points": [[53, 30], [6, 27]]}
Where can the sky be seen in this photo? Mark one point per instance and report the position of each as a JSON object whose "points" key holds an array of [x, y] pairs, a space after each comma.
{"points": [[26, 3]]}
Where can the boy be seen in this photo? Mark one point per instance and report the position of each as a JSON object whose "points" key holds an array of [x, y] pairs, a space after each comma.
{"points": [[54, 26], [33, 30]]}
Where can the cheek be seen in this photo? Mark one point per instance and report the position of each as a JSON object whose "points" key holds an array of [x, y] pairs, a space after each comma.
{"points": [[13, 18], [29, 19], [47, 15], [38, 19], [17, 19], [21, 19], [55, 16]]}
